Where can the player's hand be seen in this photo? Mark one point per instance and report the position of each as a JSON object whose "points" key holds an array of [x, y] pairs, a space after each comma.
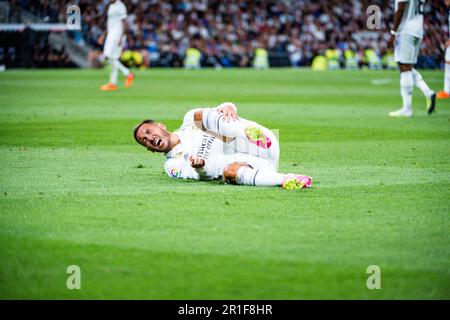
{"points": [[101, 39], [229, 111], [196, 163], [447, 44], [391, 41]]}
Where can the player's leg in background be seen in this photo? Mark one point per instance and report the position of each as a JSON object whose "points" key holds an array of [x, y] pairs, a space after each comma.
{"points": [[112, 71], [421, 84], [406, 89], [112, 84], [445, 94], [116, 66], [404, 57], [113, 51], [109, 53], [430, 95], [447, 75], [124, 70], [126, 73], [407, 51]]}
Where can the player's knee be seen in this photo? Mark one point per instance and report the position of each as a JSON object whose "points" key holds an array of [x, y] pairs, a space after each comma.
{"points": [[230, 172]]}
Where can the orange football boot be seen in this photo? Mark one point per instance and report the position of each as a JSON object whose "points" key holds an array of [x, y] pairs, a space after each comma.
{"points": [[109, 87], [443, 95], [129, 80]]}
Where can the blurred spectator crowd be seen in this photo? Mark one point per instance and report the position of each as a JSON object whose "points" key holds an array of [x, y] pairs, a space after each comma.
{"points": [[228, 32]]}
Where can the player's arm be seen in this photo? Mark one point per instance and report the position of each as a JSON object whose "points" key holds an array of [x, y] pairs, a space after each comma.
{"points": [[124, 30], [101, 39], [124, 25], [397, 20], [190, 168]]}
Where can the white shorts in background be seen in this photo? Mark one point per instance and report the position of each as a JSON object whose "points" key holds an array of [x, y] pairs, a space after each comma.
{"points": [[407, 48], [112, 49], [447, 54]]}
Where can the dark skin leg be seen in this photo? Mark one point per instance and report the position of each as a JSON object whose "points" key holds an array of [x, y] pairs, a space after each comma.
{"points": [[405, 67]]}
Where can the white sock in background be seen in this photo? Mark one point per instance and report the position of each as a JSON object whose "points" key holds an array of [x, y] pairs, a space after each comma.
{"points": [[259, 177], [447, 78], [406, 88], [421, 84], [121, 68], [113, 71]]}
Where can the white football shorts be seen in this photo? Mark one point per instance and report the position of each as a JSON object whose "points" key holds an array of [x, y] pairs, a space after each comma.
{"points": [[407, 48], [113, 46]]}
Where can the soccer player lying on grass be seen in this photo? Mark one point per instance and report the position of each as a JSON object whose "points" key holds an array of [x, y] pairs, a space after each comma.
{"points": [[215, 143]]}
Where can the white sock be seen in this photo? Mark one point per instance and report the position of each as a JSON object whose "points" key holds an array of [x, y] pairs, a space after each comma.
{"points": [[124, 70], [406, 87], [421, 84], [447, 77], [112, 72], [259, 177], [212, 120]]}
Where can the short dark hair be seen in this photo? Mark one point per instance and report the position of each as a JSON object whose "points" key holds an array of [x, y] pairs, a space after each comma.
{"points": [[139, 125]]}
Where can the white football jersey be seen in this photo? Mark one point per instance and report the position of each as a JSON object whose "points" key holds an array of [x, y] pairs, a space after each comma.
{"points": [[216, 152], [194, 142], [116, 13], [412, 20]]}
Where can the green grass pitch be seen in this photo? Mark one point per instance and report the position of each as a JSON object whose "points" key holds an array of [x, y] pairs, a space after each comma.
{"points": [[77, 190]]}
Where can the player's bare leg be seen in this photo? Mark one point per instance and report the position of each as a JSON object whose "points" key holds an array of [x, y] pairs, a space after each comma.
{"points": [[243, 174]]}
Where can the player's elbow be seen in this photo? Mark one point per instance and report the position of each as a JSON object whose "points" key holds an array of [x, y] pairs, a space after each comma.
{"points": [[198, 119]]}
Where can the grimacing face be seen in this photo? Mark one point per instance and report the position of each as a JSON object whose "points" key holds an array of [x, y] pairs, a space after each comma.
{"points": [[154, 137]]}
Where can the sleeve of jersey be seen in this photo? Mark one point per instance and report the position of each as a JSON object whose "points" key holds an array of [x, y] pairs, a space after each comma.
{"points": [[123, 12], [188, 119], [181, 169]]}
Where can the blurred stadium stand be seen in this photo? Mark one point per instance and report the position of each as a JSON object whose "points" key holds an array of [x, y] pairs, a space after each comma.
{"points": [[226, 32]]}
